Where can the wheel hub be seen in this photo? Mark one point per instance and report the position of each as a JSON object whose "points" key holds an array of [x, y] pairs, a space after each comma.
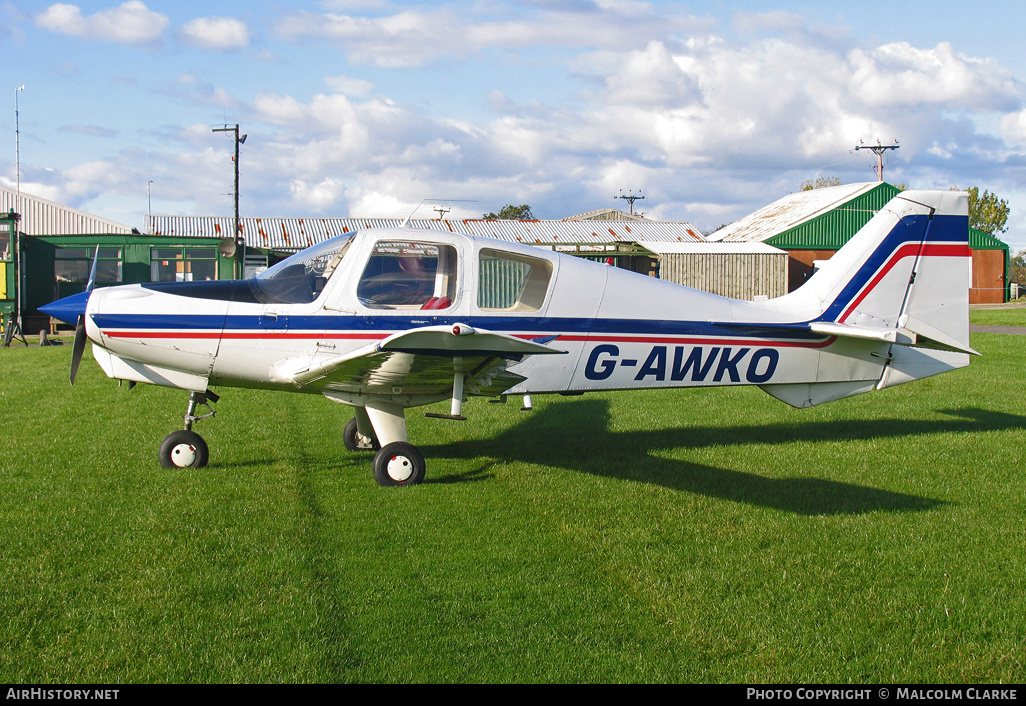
{"points": [[400, 468], [183, 455]]}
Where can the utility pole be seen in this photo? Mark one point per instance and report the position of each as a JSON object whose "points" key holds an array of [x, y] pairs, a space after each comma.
{"points": [[630, 198], [878, 150], [19, 278], [240, 241]]}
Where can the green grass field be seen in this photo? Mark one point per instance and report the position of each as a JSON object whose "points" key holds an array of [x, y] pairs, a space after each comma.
{"points": [[999, 317], [673, 536]]}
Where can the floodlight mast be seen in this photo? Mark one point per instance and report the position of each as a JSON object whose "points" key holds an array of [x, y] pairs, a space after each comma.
{"points": [[240, 241]]}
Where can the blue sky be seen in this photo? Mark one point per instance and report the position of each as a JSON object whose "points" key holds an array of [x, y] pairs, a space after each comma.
{"points": [[366, 107]]}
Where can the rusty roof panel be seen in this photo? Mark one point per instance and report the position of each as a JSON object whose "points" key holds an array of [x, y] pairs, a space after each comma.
{"points": [[790, 211], [298, 233]]}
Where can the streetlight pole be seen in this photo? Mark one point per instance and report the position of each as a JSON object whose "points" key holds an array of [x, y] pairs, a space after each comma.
{"points": [[240, 241], [17, 230]]}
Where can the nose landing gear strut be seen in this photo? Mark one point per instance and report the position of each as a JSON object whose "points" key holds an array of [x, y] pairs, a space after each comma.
{"points": [[185, 448]]}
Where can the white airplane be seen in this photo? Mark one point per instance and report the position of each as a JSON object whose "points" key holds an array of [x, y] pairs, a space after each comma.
{"points": [[387, 319]]}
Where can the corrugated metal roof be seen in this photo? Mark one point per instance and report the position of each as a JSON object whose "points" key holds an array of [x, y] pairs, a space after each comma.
{"points": [[795, 209], [606, 214], [42, 217], [298, 233], [978, 240], [730, 248]]}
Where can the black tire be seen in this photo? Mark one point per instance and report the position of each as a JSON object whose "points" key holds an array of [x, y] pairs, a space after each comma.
{"points": [[353, 442], [397, 464], [184, 449]]}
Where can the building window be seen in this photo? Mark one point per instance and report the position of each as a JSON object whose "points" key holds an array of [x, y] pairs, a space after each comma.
{"points": [[5, 242], [183, 264], [75, 264]]}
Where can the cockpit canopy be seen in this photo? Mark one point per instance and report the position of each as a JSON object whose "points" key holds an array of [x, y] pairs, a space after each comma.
{"points": [[400, 273]]}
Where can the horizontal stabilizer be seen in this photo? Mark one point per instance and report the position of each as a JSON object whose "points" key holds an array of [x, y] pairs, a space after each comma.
{"points": [[913, 333], [885, 335], [930, 337]]}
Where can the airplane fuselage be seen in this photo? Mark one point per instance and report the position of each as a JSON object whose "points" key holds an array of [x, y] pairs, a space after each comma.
{"points": [[617, 329], [387, 319]]}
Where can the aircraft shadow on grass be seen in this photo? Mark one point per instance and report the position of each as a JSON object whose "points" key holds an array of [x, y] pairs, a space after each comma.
{"points": [[579, 439]]}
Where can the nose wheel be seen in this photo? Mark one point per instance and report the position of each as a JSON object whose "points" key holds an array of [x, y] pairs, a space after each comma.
{"points": [[185, 448]]}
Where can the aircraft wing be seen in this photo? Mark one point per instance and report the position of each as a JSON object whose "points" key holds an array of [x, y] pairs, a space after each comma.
{"points": [[420, 361]]}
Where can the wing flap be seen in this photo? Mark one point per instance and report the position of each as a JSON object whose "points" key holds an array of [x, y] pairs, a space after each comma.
{"points": [[463, 340]]}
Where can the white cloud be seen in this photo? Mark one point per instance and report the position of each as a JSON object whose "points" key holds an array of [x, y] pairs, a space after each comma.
{"points": [[899, 73], [129, 23], [414, 37], [1013, 128], [190, 87], [319, 196], [349, 86], [708, 127], [219, 33], [687, 122]]}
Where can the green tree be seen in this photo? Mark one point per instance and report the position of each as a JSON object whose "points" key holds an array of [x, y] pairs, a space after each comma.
{"points": [[509, 212], [987, 212]]}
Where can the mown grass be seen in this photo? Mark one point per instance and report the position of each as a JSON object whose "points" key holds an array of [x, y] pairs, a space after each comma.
{"points": [[999, 317], [680, 536]]}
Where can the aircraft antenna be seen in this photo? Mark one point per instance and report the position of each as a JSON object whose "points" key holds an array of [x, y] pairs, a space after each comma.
{"points": [[406, 221]]}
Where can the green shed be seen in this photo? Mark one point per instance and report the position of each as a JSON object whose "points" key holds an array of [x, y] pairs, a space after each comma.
{"points": [[813, 225]]}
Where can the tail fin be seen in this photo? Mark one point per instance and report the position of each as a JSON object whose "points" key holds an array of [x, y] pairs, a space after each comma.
{"points": [[903, 280]]}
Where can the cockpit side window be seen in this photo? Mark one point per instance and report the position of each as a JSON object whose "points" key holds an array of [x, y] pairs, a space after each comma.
{"points": [[512, 282], [409, 275]]}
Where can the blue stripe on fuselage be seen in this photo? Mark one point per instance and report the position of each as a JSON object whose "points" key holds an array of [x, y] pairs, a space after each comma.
{"points": [[515, 323]]}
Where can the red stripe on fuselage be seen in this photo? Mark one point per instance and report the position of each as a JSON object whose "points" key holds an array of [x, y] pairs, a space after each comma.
{"points": [[907, 250]]}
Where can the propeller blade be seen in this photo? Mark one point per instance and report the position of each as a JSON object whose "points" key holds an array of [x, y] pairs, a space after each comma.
{"points": [[92, 271], [80, 341], [80, 329]]}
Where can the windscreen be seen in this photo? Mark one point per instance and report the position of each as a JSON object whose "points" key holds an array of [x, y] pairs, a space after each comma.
{"points": [[299, 279]]}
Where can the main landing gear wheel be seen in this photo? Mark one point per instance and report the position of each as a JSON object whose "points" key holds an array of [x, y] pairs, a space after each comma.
{"points": [[184, 449], [354, 441], [398, 463]]}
